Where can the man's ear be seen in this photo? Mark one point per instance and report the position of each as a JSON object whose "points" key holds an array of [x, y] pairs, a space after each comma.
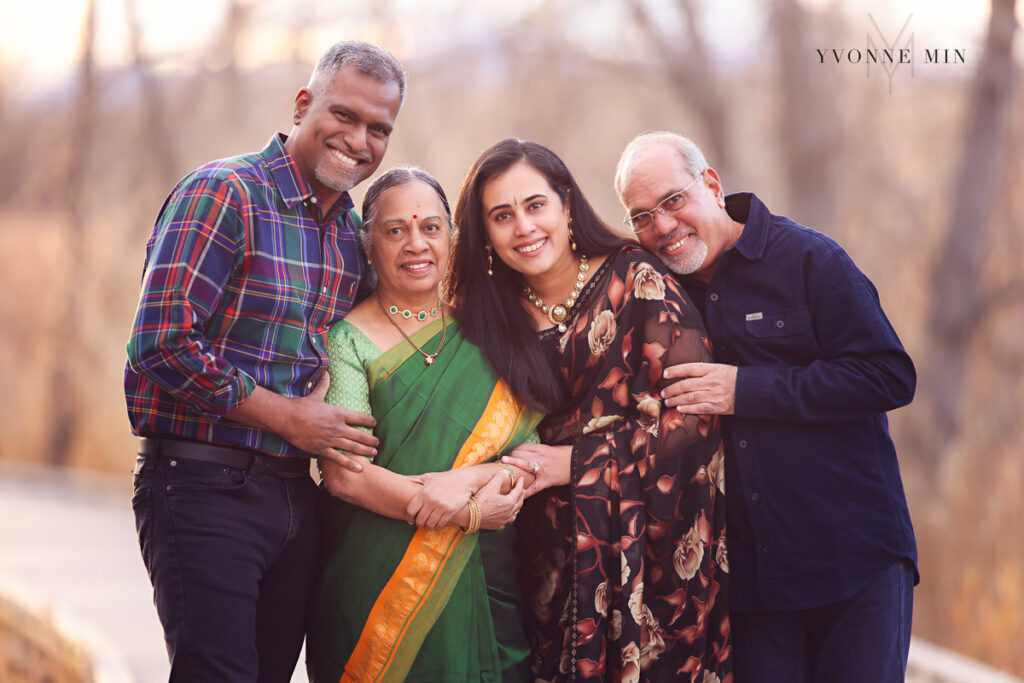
{"points": [[302, 102], [714, 184]]}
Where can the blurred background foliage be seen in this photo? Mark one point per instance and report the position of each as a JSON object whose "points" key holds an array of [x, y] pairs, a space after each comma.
{"points": [[917, 171]]}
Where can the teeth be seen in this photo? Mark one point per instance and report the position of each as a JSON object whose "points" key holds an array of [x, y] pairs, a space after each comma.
{"points": [[533, 247], [675, 245], [417, 266], [348, 160]]}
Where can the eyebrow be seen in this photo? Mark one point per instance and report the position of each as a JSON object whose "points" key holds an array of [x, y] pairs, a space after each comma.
{"points": [[539, 195], [403, 221], [657, 203]]}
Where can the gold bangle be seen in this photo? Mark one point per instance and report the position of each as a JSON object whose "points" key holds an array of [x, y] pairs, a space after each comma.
{"points": [[511, 474], [474, 516]]}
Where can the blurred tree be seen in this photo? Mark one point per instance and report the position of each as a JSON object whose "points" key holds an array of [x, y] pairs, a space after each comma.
{"points": [[811, 129], [692, 77], [155, 132], [959, 303], [64, 405]]}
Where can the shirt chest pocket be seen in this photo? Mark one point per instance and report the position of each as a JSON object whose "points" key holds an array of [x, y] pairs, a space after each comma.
{"points": [[785, 322], [782, 336]]}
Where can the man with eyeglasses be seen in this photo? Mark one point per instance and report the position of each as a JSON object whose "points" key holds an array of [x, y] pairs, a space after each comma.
{"points": [[822, 556]]}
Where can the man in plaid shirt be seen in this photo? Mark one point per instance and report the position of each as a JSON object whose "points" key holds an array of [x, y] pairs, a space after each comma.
{"points": [[251, 261]]}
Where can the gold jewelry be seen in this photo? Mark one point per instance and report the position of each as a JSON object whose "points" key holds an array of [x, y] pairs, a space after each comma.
{"points": [[474, 516], [490, 261], [559, 313], [428, 358], [572, 239], [511, 474]]}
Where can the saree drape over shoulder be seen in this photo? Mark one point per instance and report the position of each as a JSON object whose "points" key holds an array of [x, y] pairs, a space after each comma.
{"points": [[626, 568], [396, 602]]}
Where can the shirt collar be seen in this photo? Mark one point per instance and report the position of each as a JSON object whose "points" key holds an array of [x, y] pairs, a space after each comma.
{"points": [[746, 208], [293, 187]]}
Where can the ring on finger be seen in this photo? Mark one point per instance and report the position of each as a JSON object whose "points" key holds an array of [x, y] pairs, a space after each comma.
{"points": [[536, 467]]}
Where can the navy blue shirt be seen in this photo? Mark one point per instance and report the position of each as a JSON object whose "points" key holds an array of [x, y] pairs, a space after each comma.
{"points": [[815, 501]]}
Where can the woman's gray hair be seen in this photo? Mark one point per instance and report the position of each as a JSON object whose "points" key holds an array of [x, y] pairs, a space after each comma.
{"points": [[365, 58], [395, 177], [689, 152]]}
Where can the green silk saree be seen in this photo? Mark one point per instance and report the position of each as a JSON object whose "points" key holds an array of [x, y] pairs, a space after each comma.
{"points": [[395, 602]]}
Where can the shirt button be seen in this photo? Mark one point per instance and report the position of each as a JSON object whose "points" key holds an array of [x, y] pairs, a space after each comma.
{"points": [[312, 200], [764, 548], [779, 324], [713, 297], [754, 496], [323, 290], [173, 463], [743, 444]]}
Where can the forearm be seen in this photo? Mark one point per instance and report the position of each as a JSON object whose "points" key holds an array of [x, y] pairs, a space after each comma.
{"points": [[375, 488], [826, 391], [186, 368], [265, 410], [479, 475]]}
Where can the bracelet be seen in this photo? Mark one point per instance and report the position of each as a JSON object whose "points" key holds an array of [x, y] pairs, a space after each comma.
{"points": [[511, 474], [474, 516]]}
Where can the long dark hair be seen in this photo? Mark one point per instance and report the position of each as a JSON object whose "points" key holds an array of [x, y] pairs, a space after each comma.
{"points": [[489, 309]]}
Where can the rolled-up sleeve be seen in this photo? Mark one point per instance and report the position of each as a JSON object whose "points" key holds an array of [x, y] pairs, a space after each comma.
{"points": [[190, 259]]}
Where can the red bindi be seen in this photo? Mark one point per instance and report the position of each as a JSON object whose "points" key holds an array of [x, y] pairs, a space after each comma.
{"points": [[415, 216]]}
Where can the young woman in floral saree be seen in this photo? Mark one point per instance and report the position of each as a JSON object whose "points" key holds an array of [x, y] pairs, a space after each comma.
{"points": [[623, 544]]}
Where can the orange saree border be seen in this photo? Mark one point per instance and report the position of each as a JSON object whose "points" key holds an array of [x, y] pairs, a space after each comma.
{"points": [[419, 589]]}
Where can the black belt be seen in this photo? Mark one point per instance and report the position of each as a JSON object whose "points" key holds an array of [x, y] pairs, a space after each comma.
{"points": [[239, 458]]}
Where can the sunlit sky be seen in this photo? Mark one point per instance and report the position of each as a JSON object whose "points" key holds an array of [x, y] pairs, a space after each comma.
{"points": [[39, 40]]}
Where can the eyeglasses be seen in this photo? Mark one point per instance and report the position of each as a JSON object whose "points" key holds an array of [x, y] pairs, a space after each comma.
{"points": [[670, 204]]}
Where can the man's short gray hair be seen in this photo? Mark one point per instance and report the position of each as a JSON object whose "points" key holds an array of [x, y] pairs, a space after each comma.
{"points": [[365, 58], [689, 152]]}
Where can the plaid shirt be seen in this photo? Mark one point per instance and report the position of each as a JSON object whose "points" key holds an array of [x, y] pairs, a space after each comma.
{"points": [[244, 275]]}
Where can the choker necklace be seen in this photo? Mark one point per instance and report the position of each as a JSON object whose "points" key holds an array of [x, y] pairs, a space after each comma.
{"points": [[428, 358], [406, 313], [559, 313]]}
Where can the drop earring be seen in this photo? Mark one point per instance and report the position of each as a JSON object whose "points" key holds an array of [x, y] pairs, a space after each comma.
{"points": [[572, 238], [490, 261]]}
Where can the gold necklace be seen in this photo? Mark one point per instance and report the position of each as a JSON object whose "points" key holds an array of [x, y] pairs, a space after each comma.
{"points": [[428, 358], [559, 313]]}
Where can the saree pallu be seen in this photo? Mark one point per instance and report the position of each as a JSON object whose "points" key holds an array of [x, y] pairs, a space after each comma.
{"points": [[396, 602]]}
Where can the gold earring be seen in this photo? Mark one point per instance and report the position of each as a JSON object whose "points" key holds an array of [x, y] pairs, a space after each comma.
{"points": [[572, 238], [490, 261]]}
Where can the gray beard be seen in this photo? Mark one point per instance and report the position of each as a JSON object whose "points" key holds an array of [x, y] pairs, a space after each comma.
{"points": [[689, 263], [327, 181]]}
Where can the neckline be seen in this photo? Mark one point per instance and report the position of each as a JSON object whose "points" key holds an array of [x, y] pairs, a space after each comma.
{"points": [[584, 299]]}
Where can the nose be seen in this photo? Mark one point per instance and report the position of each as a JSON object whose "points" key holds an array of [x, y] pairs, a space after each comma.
{"points": [[663, 222], [355, 138], [417, 242], [521, 225]]}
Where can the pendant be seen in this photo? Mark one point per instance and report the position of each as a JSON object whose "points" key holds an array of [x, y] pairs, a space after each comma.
{"points": [[558, 313], [561, 327], [429, 360]]}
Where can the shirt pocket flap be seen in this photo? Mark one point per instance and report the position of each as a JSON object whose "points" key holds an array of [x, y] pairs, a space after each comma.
{"points": [[780, 323]]}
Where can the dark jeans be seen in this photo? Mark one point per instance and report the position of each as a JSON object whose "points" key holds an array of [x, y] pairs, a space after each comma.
{"points": [[865, 638], [231, 554]]}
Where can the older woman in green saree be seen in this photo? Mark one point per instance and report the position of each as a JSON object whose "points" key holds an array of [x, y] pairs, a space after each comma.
{"points": [[408, 590]]}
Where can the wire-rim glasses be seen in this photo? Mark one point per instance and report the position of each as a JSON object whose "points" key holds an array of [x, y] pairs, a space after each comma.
{"points": [[670, 204]]}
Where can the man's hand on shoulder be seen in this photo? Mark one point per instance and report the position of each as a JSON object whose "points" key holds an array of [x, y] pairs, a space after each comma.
{"points": [[310, 423], [705, 388]]}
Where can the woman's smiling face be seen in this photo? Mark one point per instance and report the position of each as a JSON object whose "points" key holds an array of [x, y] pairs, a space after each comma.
{"points": [[527, 222], [409, 240]]}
